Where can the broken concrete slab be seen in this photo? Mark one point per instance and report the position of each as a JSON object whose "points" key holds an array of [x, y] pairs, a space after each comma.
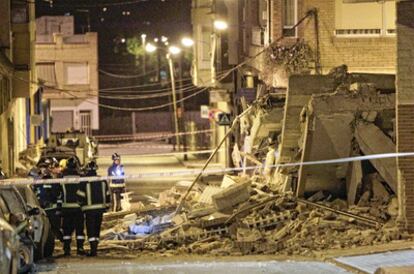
{"points": [[354, 179], [208, 192], [231, 196], [372, 140]]}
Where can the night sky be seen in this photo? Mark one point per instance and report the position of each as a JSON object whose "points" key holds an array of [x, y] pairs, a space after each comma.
{"points": [[123, 18]]}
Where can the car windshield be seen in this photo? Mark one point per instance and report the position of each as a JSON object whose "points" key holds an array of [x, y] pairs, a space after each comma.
{"points": [[13, 201]]}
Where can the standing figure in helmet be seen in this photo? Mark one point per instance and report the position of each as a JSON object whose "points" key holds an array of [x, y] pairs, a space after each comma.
{"points": [[50, 195], [73, 219], [94, 198], [117, 185]]}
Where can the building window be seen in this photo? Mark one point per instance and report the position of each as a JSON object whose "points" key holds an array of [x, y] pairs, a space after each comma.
{"points": [[46, 73], [289, 18], [76, 73], [364, 17]]}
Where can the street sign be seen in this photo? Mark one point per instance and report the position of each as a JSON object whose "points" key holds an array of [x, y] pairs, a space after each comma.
{"points": [[204, 112], [224, 119]]}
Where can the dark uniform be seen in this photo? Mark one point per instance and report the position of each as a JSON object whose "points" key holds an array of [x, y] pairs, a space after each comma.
{"points": [[94, 198], [118, 185], [73, 218], [50, 199]]}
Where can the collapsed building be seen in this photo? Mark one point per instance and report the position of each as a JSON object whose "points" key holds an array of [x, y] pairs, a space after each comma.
{"points": [[284, 206], [336, 117]]}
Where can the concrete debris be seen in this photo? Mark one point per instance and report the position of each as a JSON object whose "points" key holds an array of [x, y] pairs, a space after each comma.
{"points": [[263, 222], [372, 140], [231, 196]]}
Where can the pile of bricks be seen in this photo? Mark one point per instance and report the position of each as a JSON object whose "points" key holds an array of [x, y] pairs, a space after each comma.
{"points": [[276, 224]]}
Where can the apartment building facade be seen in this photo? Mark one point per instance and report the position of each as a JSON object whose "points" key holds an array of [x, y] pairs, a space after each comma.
{"points": [[67, 66], [358, 33], [17, 81]]}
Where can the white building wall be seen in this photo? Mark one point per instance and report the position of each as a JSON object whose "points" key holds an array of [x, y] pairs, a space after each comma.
{"points": [[76, 106]]}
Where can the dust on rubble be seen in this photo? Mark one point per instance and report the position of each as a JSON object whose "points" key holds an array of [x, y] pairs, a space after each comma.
{"points": [[245, 216]]}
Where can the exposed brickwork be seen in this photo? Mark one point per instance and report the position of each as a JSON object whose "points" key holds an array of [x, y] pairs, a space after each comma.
{"points": [[405, 110], [375, 54]]}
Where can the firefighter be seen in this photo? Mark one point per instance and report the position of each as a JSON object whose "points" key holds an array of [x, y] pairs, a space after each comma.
{"points": [[94, 197], [50, 196], [73, 218], [117, 185]]}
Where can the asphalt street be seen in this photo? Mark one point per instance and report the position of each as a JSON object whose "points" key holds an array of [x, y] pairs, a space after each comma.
{"points": [[149, 158]]}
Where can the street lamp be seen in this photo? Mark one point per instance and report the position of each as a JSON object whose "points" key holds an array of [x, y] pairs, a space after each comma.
{"points": [[150, 48], [171, 51], [174, 50], [220, 25], [143, 38], [187, 42]]}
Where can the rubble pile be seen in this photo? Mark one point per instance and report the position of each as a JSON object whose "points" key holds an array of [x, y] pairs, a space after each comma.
{"points": [[247, 217]]}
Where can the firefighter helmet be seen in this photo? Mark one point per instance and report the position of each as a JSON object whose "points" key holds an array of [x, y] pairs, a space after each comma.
{"points": [[116, 156]]}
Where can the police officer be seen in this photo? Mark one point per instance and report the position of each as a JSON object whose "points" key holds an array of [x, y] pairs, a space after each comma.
{"points": [[94, 198], [117, 185], [73, 218], [50, 196]]}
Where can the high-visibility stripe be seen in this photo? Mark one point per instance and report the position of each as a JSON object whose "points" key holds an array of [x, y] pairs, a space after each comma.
{"points": [[113, 185], [64, 193], [47, 186], [67, 237], [103, 191], [70, 205], [91, 207], [80, 237], [81, 193], [93, 239], [88, 193], [53, 206]]}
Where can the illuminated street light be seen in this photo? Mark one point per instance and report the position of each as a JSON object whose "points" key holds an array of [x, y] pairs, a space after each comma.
{"points": [[123, 40], [164, 39], [150, 48], [174, 50], [156, 40], [187, 42], [220, 25]]}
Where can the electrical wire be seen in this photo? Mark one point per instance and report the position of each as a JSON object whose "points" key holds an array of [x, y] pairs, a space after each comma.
{"points": [[107, 4], [143, 91], [149, 96], [126, 76], [224, 75]]}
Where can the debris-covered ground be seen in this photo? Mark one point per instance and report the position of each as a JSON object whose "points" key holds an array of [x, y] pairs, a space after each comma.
{"points": [[244, 216]]}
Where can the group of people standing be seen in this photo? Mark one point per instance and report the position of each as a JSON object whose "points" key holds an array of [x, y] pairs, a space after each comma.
{"points": [[69, 206]]}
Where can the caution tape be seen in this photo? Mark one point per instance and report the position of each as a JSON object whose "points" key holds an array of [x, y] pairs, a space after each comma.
{"points": [[145, 145], [76, 180], [103, 138], [163, 154]]}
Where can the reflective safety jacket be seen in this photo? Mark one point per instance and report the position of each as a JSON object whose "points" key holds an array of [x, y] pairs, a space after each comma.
{"points": [[49, 195], [116, 170], [94, 195], [70, 198]]}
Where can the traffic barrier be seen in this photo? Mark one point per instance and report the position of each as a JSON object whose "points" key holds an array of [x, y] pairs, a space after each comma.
{"points": [[197, 171]]}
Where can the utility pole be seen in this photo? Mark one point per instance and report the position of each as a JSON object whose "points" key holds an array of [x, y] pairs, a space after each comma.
{"points": [[174, 97], [182, 120], [144, 65]]}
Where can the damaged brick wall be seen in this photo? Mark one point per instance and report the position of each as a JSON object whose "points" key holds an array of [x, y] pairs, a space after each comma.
{"points": [[361, 54], [405, 109]]}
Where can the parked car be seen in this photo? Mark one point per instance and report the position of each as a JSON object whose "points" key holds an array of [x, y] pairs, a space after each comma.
{"points": [[9, 245], [17, 214], [43, 237]]}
